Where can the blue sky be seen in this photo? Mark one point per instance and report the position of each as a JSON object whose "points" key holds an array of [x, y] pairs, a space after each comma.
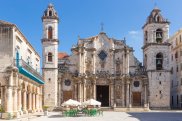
{"points": [[121, 18]]}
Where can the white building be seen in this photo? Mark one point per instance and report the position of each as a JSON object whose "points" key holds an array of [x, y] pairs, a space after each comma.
{"points": [[20, 79], [176, 69]]}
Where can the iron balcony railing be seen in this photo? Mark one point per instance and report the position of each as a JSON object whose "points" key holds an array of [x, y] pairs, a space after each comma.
{"points": [[22, 63]]}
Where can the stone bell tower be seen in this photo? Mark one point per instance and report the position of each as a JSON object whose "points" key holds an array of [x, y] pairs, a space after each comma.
{"points": [[156, 59], [50, 55]]}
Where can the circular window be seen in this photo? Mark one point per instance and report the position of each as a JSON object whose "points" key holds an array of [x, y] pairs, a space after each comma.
{"points": [[67, 82], [136, 83]]}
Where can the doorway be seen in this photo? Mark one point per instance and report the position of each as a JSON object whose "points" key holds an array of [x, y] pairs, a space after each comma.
{"points": [[103, 95], [136, 98]]}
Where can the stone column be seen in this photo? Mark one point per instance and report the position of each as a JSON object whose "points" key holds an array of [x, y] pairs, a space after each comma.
{"points": [[113, 64], [112, 93], [84, 90], [33, 101], [127, 93], [79, 91], [40, 101], [80, 61], [84, 54], [130, 103], [15, 100], [9, 93], [122, 87], [9, 99], [59, 93], [29, 102], [145, 98], [19, 100], [124, 60], [75, 91], [36, 102], [94, 89], [93, 62], [127, 64], [24, 101], [41, 97]]}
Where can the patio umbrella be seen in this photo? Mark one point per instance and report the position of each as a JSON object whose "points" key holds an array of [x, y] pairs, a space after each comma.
{"points": [[71, 102], [91, 102]]}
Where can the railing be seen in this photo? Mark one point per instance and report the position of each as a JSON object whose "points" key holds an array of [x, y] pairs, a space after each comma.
{"points": [[22, 63]]}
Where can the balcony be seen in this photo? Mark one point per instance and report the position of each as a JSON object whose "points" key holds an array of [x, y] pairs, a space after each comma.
{"points": [[25, 69]]}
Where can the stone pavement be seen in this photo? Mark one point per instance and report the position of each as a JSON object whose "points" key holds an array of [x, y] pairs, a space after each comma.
{"points": [[110, 116]]}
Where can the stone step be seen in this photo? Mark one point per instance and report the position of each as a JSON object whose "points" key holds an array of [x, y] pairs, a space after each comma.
{"points": [[135, 109]]}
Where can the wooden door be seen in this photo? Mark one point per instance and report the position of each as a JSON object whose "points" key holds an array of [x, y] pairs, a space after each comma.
{"points": [[67, 95], [136, 99]]}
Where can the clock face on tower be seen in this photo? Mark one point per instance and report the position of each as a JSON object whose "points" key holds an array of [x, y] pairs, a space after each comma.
{"points": [[67, 82]]}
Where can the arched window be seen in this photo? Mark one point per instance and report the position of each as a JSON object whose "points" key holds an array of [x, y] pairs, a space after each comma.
{"points": [[159, 36], [50, 13], [49, 57], [146, 36], [158, 18], [145, 62], [50, 32], [159, 61]]}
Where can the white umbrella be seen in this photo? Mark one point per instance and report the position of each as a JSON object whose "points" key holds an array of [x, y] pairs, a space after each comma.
{"points": [[71, 102], [91, 102]]}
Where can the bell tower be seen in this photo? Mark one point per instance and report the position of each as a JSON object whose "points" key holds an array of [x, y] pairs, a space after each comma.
{"points": [[156, 59], [50, 55]]}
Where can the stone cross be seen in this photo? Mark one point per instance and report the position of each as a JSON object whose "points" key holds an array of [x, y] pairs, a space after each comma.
{"points": [[102, 26]]}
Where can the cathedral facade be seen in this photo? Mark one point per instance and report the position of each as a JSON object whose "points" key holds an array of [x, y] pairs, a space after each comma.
{"points": [[106, 69]]}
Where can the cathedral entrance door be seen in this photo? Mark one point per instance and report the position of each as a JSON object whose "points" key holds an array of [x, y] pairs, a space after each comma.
{"points": [[136, 98], [103, 95]]}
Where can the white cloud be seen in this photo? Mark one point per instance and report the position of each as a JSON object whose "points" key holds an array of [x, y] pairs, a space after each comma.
{"points": [[133, 32]]}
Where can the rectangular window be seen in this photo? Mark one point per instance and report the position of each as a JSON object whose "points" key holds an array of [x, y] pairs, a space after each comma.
{"points": [[177, 68], [18, 39], [29, 51], [181, 81], [176, 55], [172, 57], [37, 59]]}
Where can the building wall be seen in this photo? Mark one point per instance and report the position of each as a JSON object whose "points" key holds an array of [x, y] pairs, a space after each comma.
{"points": [[6, 47], [176, 68]]}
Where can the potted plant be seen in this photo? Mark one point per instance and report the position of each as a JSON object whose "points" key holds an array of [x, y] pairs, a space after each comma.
{"points": [[1, 111], [45, 108]]}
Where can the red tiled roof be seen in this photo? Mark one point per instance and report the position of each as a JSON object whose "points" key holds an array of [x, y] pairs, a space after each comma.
{"points": [[62, 55]]}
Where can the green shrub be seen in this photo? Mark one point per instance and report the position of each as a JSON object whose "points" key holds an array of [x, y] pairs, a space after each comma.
{"points": [[1, 109]]}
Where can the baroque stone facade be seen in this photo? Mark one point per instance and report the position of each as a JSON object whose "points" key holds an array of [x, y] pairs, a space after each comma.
{"points": [[105, 68]]}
